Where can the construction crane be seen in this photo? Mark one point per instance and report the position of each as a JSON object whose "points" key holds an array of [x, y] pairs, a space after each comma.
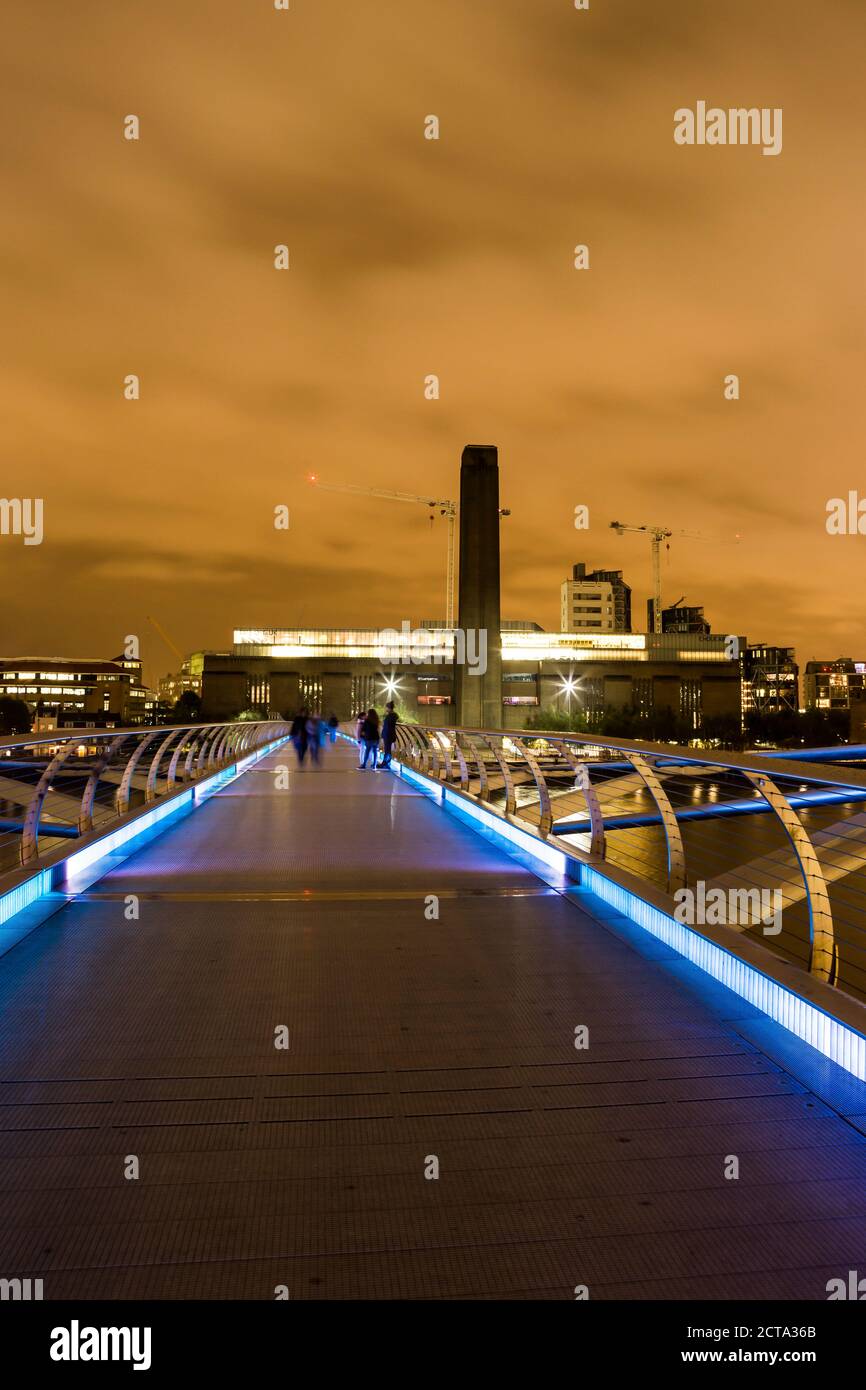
{"points": [[158, 627], [443, 505], [657, 534]]}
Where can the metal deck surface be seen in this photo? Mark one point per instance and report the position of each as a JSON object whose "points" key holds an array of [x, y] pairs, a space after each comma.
{"points": [[410, 1039]]}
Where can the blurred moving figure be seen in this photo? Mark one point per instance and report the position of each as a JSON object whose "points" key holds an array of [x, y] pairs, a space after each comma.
{"points": [[359, 726], [314, 733], [333, 721], [298, 733], [370, 738]]}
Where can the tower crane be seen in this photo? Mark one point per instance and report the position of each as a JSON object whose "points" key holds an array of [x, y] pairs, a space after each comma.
{"points": [[445, 507], [657, 534], [158, 627]]}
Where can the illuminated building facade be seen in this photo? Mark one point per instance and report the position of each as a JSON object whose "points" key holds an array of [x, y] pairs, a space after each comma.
{"points": [[345, 669], [833, 684], [67, 693], [771, 680]]}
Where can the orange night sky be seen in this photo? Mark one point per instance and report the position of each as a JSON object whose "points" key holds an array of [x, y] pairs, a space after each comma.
{"points": [[409, 257]]}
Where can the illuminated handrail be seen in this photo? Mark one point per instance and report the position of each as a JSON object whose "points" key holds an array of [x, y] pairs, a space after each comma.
{"points": [[529, 768], [74, 764]]}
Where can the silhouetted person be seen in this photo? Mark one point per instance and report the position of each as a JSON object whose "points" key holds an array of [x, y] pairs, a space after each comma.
{"points": [[370, 738], [359, 734], [314, 737], [333, 721], [298, 733], [389, 733]]}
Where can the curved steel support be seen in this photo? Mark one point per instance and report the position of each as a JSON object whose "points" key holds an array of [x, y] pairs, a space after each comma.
{"points": [[216, 746], [510, 795], [206, 747], [421, 748], [583, 782], [88, 796], [545, 815], [483, 783], [186, 735], [823, 957], [444, 749], [30, 837], [431, 753], [225, 743], [188, 768], [461, 763], [670, 825], [121, 800], [152, 771]]}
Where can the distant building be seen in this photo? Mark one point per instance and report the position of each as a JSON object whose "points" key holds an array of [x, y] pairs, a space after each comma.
{"points": [[771, 680], [595, 602], [341, 670], [63, 692], [171, 687], [678, 618], [833, 684]]}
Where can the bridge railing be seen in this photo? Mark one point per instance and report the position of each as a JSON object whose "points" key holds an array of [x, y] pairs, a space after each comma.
{"points": [[61, 786], [769, 846]]}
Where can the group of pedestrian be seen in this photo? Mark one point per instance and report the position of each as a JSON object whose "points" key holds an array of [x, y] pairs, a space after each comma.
{"points": [[309, 732], [369, 735]]}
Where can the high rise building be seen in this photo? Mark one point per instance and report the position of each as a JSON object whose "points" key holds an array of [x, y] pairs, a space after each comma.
{"points": [[771, 680], [595, 602], [833, 684], [679, 618]]}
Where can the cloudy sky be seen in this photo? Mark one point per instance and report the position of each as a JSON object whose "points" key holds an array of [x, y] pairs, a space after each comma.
{"points": [[409, 257]]}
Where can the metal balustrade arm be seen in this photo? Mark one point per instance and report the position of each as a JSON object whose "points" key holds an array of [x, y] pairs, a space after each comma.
{"points": [[30, 835], [431, 754], [823, 956], [673, 835], [88, 796], [545, 815], [121, 801], [583, 783], [189, 772], [483, 783], [150, 787], [461, 762], [504, 768], [443, 745]]}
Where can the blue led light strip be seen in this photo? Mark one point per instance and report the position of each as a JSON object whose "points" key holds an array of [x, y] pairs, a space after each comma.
{"points": [[834, 1039], [25, 894]]}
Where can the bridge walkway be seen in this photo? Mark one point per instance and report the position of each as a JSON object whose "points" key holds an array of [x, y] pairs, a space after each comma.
{"points": [[415, 1043]]}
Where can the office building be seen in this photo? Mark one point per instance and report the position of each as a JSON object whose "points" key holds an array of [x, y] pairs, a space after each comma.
{"points": [[770, 680], [63, 692], [596, 602], [833, 684]]}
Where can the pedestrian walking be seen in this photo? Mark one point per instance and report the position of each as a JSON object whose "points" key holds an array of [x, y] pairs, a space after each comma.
{"points": [[359, 734], [314, 737], [389, 733], [298, 734], [370, 739]]}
